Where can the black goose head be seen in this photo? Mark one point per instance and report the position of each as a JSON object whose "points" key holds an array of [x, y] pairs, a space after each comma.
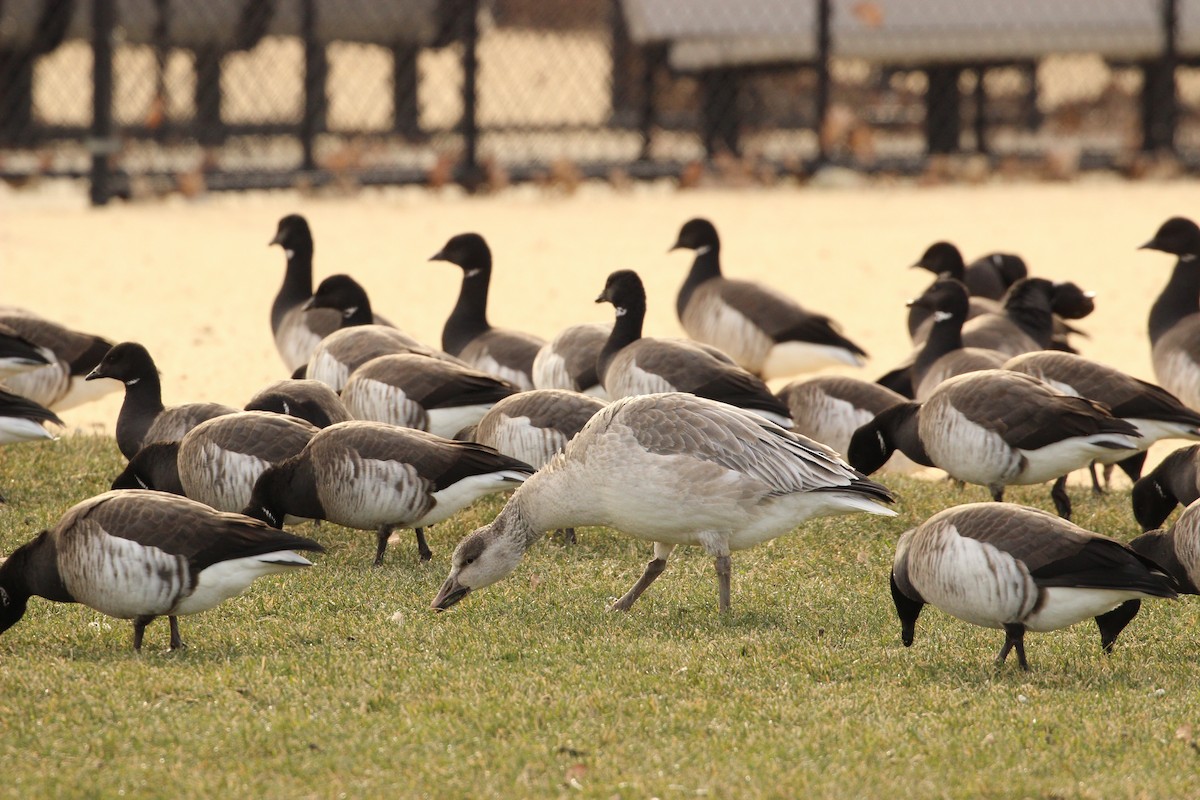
{"points": [[1071, 301], [907, 609], [1152, 500], [942, 258], [1031, 293], [874, 442], [1009, 266], [697, 234], [266, 503], [468, 251], [343, 293], [14, 588], [946, 298], [625, 291], [293, 235], [1178, 236], [128, 362]]}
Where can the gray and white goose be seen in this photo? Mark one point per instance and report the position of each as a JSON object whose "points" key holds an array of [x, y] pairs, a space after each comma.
{"points": [[309, 400], [1156, 413], [507, 354], [1175, 315], [830, 408], [143, 418], [296, 327], [378, 477], [358, 340], [219, 461], [764, 331], [996, 428], [568, 361], [140, 555], [1176, 550], [999, 565], [672, 469], [61, 384], [1175, 481], [416, 391], [535, 426], [630, 364]]}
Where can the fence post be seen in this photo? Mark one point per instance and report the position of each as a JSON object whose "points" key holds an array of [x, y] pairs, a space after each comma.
{"points": [[824, 48], [1160, 110], [315, 71], [470, 175], [101, 141], [943, 122]]}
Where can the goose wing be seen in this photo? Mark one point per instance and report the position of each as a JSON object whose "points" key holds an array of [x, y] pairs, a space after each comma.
{"points": [[779, 316]]}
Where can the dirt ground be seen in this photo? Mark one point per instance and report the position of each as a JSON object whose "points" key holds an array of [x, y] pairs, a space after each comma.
{"points": [[194, 280]]}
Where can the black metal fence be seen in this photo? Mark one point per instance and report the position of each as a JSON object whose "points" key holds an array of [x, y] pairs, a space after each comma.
{"points": [[157, 96]]}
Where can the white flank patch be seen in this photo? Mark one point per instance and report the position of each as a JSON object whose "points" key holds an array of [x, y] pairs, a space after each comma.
{"points": [[459, 495], [1066, 605], [789, 358], [227, 579], [452, 419], [1053, 460]]}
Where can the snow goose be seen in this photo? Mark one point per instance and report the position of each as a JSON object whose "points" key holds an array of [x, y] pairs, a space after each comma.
{"points": [[1175, 315], [467, 334], [143, 418], [1156, 413], [358, 340], [309, 400], [996, 428], [671, 469], [60, 385], [416, 391], [1175, 481], [140, 555], [535, 426], [298, 328], [568, 361], [999, 565], [630, 364], [372, 476], [830, 408], [1176, 550], [765, 332]]}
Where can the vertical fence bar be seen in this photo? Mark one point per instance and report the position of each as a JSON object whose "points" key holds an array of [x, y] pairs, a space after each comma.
{"points": [[101, 141], [470, 173], [824, 81], [315, 69], [1160, 109]]}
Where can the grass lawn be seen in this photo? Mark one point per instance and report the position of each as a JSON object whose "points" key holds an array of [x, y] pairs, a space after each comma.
{"points": [[338, 681]]}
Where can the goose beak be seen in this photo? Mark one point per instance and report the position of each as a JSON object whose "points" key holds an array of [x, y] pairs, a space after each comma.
{"points": [[278, 240], [94, 374], [1150, 245], [674, 247], [440, 255], [451, 592]]}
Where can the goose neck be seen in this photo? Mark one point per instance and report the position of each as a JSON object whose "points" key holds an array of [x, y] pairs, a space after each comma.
{"points": [[1178, 299], [705, 267], [469, 317]]}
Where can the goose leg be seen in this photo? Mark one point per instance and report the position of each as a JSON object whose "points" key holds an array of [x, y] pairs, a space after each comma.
{"points": [[1096, 488], [997, 492], [381, 543], [422, 546], [1062, 501], [139, 630], [176, 640], [568, 535], [1112, 623], [1014, 638], [653, 569], [724, 570]]}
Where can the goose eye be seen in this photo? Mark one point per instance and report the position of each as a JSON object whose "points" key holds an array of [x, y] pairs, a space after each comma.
{"points": [[467, 562]]}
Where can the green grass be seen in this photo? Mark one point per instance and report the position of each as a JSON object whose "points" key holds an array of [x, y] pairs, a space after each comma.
{"points": [[337, 680]]}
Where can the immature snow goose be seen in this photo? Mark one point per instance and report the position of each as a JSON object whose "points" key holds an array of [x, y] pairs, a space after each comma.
{"points": [[996, 428], [358, 340], [467, 334], [671, 469], [416, 391], [1175, 481], [372, 476], [61, 384], [568, 361], [309, 400], [297, 328], [140, 555], [999, 565], [535, 426], [143, 418], [764, 331], [219, 461], [1176, 550], [630, 364], [1175, 315], [1155, 412], [22, 420], [830, 408]]}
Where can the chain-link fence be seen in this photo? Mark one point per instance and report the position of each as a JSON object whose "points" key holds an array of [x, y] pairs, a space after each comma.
{"points": [[179, 95]]}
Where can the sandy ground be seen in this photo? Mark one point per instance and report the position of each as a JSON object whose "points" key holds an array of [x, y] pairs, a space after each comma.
{"points": [[194, 280]]}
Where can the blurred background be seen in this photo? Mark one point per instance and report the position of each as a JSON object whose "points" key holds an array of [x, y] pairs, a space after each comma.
{"points": [[152, 97]]}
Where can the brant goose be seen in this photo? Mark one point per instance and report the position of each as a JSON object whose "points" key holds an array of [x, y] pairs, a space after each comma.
{"points": [[504, 353], [568, 361], [996, 428], [764, 331], [991, 276], [309, 400], [143, 418], [999, 565], [1175, 315], [140, 555], [61, 384], [630, 364], [1176, 550], [372, 476], [1175, 481], [945, 354], [671, 469]]}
